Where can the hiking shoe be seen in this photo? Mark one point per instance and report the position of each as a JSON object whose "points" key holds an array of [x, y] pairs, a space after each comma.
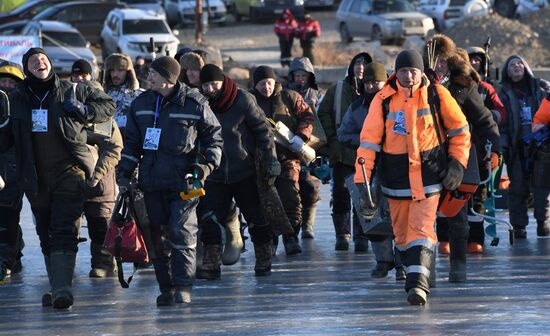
{"points": [[416, 297]]}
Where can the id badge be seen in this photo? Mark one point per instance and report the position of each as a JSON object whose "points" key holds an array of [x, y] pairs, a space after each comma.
{"points": [[152, 138], [39, 121], [399, 125], [526, 117], [121, 120]]}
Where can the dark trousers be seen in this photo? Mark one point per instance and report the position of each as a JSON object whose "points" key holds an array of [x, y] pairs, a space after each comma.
{"points": [[176, 254], [97, 216], [58, 209], [11, 235], [307, 47], [217, 207], [286, 50], [289, 192], [341, 202], [310, 189]]}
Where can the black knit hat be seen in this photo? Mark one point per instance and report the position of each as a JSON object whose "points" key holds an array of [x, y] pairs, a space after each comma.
{"points": [[81, 66], [409, 59], [263, 72], [167, 67], [211, 73], [28, 54]]}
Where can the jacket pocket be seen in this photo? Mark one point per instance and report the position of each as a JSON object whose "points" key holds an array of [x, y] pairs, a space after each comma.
{"points": [[182, 136]]}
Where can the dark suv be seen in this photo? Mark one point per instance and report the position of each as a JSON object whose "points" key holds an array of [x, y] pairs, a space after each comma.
{"points": [[86, 16]]}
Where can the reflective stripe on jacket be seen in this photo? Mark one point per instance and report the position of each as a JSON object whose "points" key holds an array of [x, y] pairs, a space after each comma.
{"points": [[409, 163]]}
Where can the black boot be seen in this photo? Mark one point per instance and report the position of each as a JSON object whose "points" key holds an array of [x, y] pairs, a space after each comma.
{"points": [[103, 263], [542, 229], [182, 294], [457, 256], [211, 263], [165, 298], [62, 269], [361, 244], [419, 269], [47, 298], [164, 280], [292, 245], [342, 242], [382, 268], [263, 259]]}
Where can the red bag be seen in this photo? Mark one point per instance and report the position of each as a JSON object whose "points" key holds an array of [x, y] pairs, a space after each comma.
{"points": [[124, 239]]}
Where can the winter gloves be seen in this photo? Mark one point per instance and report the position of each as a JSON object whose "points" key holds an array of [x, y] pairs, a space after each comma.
{"points": [[296, 144], [453, 176], [77, 109]]}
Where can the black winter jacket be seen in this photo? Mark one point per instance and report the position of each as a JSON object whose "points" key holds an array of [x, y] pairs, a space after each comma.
{"points": [[244, 128], [184, 118], [72, 130]]}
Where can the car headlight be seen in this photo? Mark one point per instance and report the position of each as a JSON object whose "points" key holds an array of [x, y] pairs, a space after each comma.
{"points": [[133, 46]]}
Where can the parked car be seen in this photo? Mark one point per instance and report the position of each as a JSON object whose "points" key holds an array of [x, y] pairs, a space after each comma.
{"points": [[28, 10], [517, 8], [86, 16], [129, 31], [380, 20], [63, 43], [13, 28], [183, 11], [446, 13], [267, 9], [318, 3], [152, 6]]}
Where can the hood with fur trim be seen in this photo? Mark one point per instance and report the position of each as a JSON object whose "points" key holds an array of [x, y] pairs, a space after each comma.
{"points": [[444, 47], [120, 62]]}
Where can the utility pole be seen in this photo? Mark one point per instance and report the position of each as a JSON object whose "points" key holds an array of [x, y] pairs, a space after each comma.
{"points": [[198, 22]]}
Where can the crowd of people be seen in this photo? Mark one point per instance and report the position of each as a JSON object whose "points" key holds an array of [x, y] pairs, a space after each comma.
{"points": [[404, 143]]}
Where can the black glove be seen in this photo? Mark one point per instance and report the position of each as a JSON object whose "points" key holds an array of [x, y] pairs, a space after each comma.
{"points": [[76, 109], [272, 170], [366, 209], [453, 176], [123, 182]]}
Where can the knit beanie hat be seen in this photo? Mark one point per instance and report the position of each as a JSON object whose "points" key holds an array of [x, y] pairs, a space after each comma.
{"points": [[409, 59], [211, 73], [263, 72], [191, 61], [167, 67], [376, 72], [81, 66]]}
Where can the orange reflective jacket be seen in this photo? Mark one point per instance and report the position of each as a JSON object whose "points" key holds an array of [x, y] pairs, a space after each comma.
{"points": [[409, 163], [543, 114]]}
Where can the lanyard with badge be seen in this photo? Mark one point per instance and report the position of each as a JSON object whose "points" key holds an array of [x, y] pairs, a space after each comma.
{"points": [[40, 116], [525, 112], [152, 134]]}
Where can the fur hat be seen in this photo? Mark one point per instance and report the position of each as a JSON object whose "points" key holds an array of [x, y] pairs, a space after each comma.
{"points": [[120, 62], [191, 61], [444, 47], [460, 70]]}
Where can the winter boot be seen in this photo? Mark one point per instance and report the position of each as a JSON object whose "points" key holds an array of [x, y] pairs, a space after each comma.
{"points": [[182, 294], [400, 273], [166, 298], [103, 263], [342, 242], [47, 298], [458, 260], [263, 259], [417, 297], [308, 221], [381, 270], [542, 229], [292, 246], [62, 268], [361, 244], [233, 241], [211, 263]]}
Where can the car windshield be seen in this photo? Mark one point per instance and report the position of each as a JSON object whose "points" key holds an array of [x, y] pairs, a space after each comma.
{"points": [[390, 6], [65, 39], [131, 27]]}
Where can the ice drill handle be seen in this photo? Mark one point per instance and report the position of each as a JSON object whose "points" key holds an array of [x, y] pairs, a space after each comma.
{"points": [[361, 161]]}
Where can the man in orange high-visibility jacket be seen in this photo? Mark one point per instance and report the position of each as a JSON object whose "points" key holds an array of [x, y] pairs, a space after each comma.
{"points": [[411, 173]]}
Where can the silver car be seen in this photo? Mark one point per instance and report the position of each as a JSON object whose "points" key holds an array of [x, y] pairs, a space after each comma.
{"points": [[63, 43], [380, 20]]}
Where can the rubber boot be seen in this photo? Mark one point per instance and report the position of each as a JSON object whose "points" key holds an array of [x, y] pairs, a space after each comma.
{"points": [[47, 298], [164, 280], [182, 294], [62, 268], [103, 263], [308, 221], [420, 260], [292, 246], [233, 241], [457, 256], [263, 258], [342, 226], [382, 268], [211, 263]]}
